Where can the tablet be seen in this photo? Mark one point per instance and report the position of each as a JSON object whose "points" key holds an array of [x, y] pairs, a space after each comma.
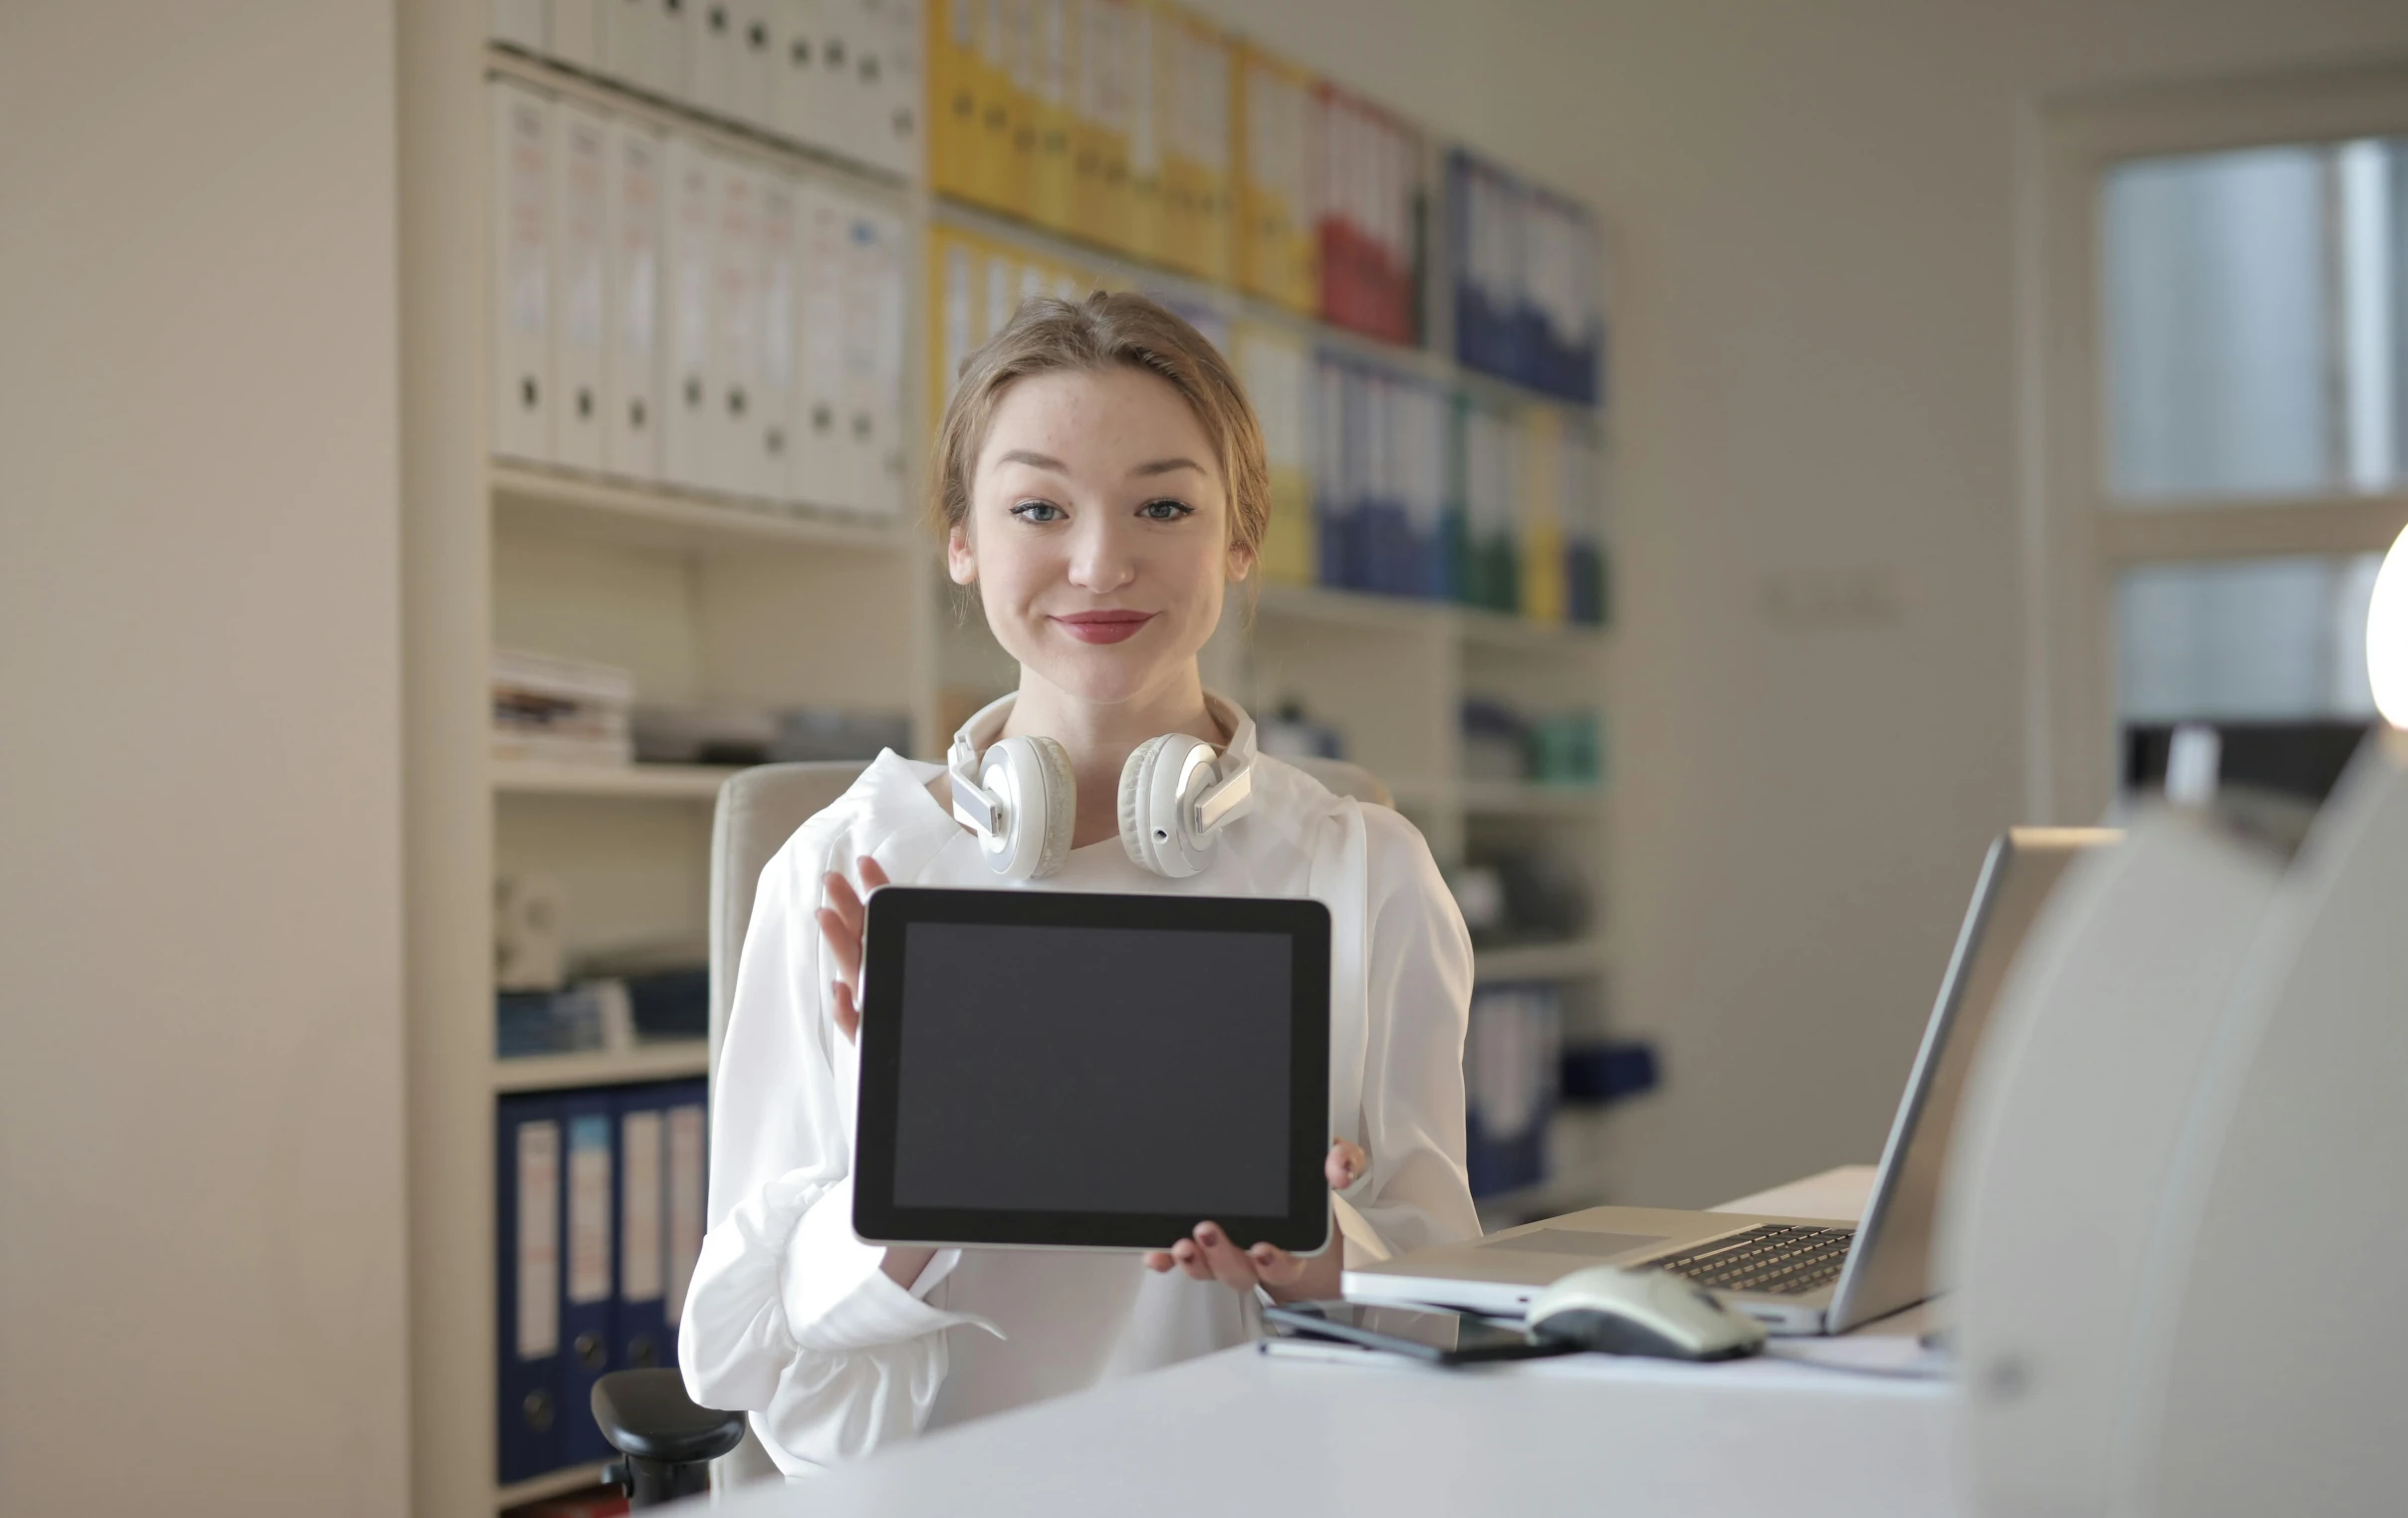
{"points": [[1068, 1070]]}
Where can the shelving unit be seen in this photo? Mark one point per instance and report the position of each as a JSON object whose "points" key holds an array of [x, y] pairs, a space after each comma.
{"points": [[666, 1060], [709, 598], [633, 782]]}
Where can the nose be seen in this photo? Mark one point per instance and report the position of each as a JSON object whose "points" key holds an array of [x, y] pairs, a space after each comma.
{"points": [[1102, 559]]}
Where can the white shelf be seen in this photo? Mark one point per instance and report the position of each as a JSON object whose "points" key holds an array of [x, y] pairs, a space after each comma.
{"points": [[661, 516], [669, 1061], [1498, 629], [1541, 961], [1523, 798], [1308, 603], [634, 782], [574, 1478]]}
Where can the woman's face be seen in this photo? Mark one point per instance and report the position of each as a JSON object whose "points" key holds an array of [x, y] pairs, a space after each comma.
{"points": [[1098, 532]]}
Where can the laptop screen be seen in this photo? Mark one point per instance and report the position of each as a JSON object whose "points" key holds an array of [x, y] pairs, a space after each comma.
{"points": [[1891, 1265]]}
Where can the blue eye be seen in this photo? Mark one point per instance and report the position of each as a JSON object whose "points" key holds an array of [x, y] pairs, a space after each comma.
{"points": [[1165, 510], [1037, 511]]}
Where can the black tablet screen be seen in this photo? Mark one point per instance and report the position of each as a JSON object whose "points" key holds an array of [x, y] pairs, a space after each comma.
{"points": [[1073, 1068]]}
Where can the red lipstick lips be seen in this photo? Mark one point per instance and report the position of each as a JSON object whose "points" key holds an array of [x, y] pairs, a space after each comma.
{"points": [[1102, 627]]}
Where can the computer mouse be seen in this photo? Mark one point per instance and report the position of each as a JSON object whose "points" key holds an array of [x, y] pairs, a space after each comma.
{"points": [[1642, 1312]]}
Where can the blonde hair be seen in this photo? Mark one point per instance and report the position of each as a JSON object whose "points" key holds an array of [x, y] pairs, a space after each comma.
{"points": [[1108, 328]]}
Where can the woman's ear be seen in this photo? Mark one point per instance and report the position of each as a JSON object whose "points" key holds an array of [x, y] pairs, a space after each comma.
{"points": [[1241, 561], [961, 562]]}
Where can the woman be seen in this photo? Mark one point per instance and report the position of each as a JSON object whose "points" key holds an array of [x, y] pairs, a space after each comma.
{"points": [[1099, 479]]}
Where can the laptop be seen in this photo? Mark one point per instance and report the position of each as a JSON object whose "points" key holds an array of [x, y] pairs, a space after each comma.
{"points": [[1798, 1276]]}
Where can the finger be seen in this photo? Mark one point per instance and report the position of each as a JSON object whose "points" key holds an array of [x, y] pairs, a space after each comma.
{"points": [[1159, 1260], [1347, 1164], [845, 902], [873, 875], [1228, 1263], [1276, 1266], [843, 942], [1190, 1257], [848, 1016]]}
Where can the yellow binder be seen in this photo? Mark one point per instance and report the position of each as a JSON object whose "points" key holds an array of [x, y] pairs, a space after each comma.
{"points": [[1054, 47], [1541, 510]]}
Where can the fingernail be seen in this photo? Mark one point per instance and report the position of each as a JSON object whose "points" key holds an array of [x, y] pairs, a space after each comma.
{"points": [[1261, 1252], [1206, 1232]]}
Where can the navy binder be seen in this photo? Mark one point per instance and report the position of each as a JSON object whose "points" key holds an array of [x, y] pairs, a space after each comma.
{"points": [[641, 1328], [686, 1173], [528, 1155], [589, 1279]]}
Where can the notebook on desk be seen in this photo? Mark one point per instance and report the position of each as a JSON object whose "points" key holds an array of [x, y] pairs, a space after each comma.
{"points": [[1796, 1275]]}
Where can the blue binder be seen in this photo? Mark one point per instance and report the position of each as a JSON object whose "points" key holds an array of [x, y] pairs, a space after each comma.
{"points": [[529, 1159], [589, 1278], [686, 1173], [641, 1331]]}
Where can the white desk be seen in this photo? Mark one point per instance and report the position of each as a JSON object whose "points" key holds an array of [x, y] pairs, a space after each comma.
{"points": [[1397, 1439]]}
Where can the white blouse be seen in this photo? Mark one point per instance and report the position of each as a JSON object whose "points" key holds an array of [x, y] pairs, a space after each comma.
{"points": [[788, 1317]]}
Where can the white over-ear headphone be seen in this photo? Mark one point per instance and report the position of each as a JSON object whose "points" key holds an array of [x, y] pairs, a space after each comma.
{"points": [[1017, 796]]}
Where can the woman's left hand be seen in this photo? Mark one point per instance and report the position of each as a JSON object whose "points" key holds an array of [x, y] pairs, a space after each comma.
{"points": [[1209, 1254]]}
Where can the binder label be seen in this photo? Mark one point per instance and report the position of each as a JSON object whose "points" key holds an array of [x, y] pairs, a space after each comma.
{"points": [[640, 1272], [686, 1204], [590, 1209], [539, 1162]]}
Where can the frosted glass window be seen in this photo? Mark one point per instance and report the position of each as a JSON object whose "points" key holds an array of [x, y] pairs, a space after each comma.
{"points": [[2265, 639], [2254, 322]]}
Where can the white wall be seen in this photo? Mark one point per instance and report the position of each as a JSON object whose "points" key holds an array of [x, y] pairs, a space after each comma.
{"points": [[1815, 394], [200, 1147]]}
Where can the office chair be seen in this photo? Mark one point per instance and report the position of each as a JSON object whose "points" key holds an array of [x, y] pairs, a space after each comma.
{"points": [[668, 1447]]}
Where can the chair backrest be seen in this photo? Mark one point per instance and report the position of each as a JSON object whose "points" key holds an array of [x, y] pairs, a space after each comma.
{"points": [[759, 810]]}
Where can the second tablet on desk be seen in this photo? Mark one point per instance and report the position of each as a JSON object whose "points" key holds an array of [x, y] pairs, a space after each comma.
{"points": [[1071, 1070]]}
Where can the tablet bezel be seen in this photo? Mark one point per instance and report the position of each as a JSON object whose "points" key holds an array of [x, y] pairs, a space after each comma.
{"points": [[1302, 1229]]}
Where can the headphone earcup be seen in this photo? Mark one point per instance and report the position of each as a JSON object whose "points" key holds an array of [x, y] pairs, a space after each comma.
{"points": [[1132, 803], [1153, 814], [1032, 776]]}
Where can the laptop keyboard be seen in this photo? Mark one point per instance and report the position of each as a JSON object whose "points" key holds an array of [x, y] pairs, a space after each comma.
{"points": [[1781, 1258]]}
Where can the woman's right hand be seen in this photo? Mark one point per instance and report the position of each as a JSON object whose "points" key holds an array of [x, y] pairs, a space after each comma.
{"points": [[841, 923]]}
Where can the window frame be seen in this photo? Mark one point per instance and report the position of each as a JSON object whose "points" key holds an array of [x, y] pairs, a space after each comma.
{"points": [[2075, 539]]}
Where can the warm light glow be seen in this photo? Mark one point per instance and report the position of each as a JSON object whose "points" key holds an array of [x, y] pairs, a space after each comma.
{"points": [[2387, 636]]}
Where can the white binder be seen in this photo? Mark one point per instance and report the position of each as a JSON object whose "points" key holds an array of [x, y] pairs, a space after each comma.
{"points": [[520, 410], [819, 454], [520, 24], [626, 41], [797, 87], [778, 327], [890, 101], [712, 56], [819, 119], [688, 408], [760, 35], [574, 33], [665, 64], [877, 289], [736, 328], [580, 171], [632, 234]]}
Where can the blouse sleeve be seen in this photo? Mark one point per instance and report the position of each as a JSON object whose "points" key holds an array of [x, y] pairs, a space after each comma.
{"points": [[1419, 966], [788, 1317]]}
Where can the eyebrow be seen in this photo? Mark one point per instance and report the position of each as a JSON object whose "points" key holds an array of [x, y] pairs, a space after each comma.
{"points": [[1142, 471]]}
